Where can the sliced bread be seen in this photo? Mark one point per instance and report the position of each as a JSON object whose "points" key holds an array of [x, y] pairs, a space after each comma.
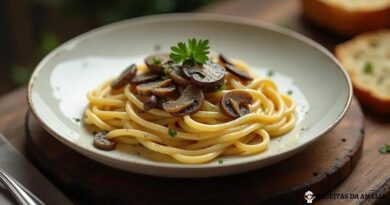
{"points": [[367, 60], [349, 17]]}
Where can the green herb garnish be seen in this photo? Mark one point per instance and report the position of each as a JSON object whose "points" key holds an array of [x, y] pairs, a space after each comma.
{"points": [[270, 73], [304, 128], [227, 102], [385, 149], [222, 87], [368, 68], [220, 161], [195, 51], [156, 61], [172, 132], [77, 119], [164, 77], [289, 92]]}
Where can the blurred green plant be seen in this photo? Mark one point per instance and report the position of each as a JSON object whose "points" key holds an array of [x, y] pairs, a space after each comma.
{"points": [[104, 11], [49, 42], [98, 13], [20, 74]]}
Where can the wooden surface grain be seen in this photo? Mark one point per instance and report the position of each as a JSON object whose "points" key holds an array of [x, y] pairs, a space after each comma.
{"points": [[319, 168], [371, 174]]}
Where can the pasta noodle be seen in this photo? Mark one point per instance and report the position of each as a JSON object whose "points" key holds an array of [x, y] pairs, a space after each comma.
{"points": [[198, 137]]}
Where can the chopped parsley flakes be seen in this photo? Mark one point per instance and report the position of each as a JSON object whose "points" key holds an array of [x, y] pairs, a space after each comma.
{"points": [[220, 161], [289, 92], [368, 68], [222, 87], [156, 61], [157, 47], [304, 128], [385, 149], [172, 132], [270, 73]]}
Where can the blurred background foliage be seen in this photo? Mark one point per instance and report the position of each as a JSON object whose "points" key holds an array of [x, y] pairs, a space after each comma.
{"points": [[30, 29]]}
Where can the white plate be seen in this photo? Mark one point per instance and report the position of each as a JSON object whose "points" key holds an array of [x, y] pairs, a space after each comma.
{"points": [[58, 86]]}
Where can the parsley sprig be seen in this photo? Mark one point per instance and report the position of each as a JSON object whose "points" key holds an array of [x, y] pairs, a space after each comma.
{"points": [[196, 51]]}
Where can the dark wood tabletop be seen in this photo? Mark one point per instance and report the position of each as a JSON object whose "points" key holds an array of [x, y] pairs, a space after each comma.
{"points": [[372, 172]]}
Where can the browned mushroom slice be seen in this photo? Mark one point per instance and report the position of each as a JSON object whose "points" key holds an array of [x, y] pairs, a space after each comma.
{"points": [[164, 92], [156, 62], [177, 76], [233, 69], [207, 75], [224, 59], [188, 103], [150, 103], [144, 77], [236, 103], [146, 88], [237, 72], [101, 142], [162, 100], [125, 77]]}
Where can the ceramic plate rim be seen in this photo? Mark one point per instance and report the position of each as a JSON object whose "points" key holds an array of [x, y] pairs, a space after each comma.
{"points": [[195, 16]]}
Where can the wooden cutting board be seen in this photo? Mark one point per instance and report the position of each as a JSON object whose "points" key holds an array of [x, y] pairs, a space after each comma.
{"points": [[319, 168]]}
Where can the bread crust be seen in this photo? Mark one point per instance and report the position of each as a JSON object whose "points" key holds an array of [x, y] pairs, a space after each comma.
{"points": [[367, 97], [343, 21]]}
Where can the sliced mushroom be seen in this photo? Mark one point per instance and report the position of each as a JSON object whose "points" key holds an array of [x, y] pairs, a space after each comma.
{"points": [[150, 103], [176, 74], [237, 72], [207, 75], [211, 89], [236, 103], [224, 59], [162, 100], [101, 142], [144, 77], [125, 77], [188, 103], [233, 69], [146, 88], [156, 62], [164, 92]]}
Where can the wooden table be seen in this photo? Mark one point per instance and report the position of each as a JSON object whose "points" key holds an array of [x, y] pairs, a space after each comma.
{"points": [[371, 174]]}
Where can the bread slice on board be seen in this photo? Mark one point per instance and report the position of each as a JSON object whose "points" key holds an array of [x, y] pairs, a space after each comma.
{"points": [[349, 17], [367, 60]]}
